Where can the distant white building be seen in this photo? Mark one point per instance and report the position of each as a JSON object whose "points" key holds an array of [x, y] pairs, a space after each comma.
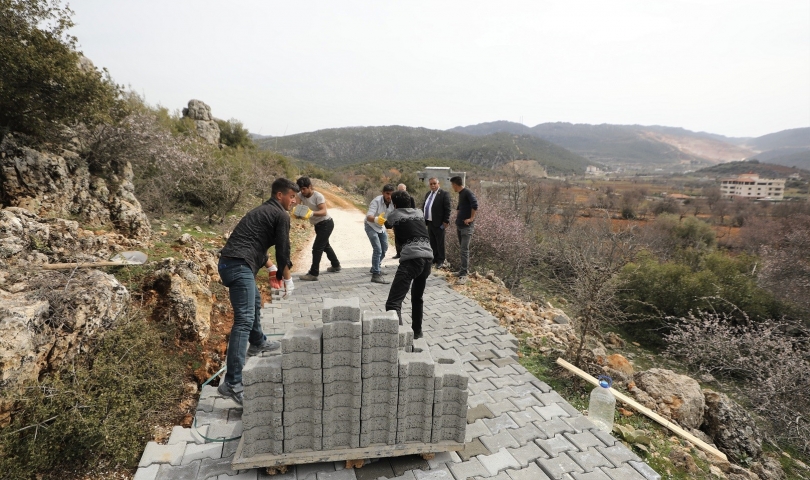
{"points": [[749, 185]]}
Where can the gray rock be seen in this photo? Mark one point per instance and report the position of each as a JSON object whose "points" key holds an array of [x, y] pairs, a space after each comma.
{"points": [[204, 122], [674, 396], [731, 427]]}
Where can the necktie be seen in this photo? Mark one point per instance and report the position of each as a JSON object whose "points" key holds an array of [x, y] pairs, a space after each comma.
{"points": [[429, 204]]}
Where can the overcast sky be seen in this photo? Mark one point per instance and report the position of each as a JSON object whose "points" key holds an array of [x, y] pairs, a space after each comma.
{"points": [[732, 67]]}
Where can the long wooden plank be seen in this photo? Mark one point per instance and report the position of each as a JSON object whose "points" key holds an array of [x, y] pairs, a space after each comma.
{"points": [[377, 451], [677, 430]]}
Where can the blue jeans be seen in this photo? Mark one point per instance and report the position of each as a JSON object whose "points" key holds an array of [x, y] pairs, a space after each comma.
{"points": [[379, 245], [246, 300], [464, 236]]}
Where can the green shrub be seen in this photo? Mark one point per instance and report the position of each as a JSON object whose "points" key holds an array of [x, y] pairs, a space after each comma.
{"points": [[695, 282], [45, 82], [97, 412], [233, 134]]}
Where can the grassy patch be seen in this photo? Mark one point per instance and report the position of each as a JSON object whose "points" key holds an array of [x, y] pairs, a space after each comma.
{"points": [[97, 411]]}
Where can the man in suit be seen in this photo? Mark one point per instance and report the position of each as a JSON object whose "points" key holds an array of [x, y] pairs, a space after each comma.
{"points": [[437, 218]]}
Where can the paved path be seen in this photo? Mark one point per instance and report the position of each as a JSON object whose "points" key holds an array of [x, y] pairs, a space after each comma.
{"points": [[518, 427]]}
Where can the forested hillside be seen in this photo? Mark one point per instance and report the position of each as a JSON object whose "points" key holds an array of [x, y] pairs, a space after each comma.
{"points": [[342, 146]]}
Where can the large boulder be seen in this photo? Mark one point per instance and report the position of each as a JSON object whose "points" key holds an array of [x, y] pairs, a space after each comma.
{"points": [[206, 126], [61, 185], [672, 395], [184, 297], [731, 427], [48, 318]]}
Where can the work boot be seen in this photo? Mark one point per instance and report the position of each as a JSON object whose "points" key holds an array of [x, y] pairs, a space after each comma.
{"points": [[417, 334], [333, 269], [265, 346], [231, 391], [378, 278], [461, 280], [309, 278]]}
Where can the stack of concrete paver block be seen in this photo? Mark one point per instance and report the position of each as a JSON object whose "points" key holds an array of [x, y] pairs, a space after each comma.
{"points": [[342, 381], [302, 379], [416, 394], [449, 398], [263, 406], [381, 342]]}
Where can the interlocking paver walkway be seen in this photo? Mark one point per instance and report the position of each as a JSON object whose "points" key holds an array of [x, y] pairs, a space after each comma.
{"points": [[518, 427]]}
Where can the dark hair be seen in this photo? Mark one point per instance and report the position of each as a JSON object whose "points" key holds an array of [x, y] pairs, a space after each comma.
{"points": [[388, 188], [401, 199], [303, 182], [457, 181], [283, 185]]}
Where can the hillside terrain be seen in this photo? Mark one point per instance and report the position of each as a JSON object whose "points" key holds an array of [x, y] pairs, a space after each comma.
{"points": [[765, 170], [629, 147], [342, 146]]}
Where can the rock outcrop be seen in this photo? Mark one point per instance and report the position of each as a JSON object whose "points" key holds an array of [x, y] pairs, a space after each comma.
{"points": [[674, 396], [200, 113], [47, 318], [733, 430], [61, 185]]}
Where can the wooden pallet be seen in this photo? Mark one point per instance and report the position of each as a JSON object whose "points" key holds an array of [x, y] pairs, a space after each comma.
{"points": [[376, 451]]}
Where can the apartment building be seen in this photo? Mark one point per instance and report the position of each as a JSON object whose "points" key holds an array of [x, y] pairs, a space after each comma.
{"points": [[749, 185]]}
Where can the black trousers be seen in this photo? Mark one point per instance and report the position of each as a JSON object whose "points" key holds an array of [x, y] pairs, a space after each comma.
{"points": [[323, 230], [416, 271], [436, 236]]}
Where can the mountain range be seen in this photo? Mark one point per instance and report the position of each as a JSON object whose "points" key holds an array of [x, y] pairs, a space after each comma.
{"points": [[563, 148]]}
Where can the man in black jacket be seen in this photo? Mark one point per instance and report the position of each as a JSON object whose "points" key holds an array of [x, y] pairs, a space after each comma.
{"points": [[437, 218], [467, 209], [243, 255]]}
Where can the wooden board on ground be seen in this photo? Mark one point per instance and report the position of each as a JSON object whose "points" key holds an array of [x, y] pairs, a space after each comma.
{"points": [[376, 451]]}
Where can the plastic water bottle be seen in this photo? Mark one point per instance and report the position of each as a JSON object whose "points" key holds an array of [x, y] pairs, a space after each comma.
{"points": [[602, 405]]}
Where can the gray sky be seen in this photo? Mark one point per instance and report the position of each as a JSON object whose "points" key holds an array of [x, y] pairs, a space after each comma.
{"points": [[731, 67]]}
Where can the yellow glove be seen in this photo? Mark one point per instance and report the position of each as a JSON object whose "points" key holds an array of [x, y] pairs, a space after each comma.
{"points": [[380, 219], [309, 214]]}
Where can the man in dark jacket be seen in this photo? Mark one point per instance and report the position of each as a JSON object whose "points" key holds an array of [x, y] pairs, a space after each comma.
{"points": [[414, 263], [243, 255], [467, 209], [437, 218]]}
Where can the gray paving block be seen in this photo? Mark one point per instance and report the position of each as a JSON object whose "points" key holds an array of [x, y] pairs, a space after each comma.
{"points": [[377, 410], [499, 423], [344, 331], [593, 475], [341, 401], [225, 430], [341, 440], [342, 388], [148, 473], [372, 397], [502, 440], [183, 472], [342, 359], [580, 422], [645, 470], [211, 468], [527, 454], [405, 337], [263, 432], [342, 374], [415, 407], [263, 389], [303, 375], [451, 395], [469, 468], [293, 390], [456, 409], [380, 322], [590, 459], [262, 404], [584, 440], [297, 402], [342, 414], [554, 426], [207, 418], [378, 424], [379, 369], [623, 472], [302, 415], [558, 466], [378, 437], [187, 435], [341, 310], [555, 445], [550, 398], [299, 360], [531, 472], [258, 447], [527, 434], [504, 406], [302, 340], [525, 417], [372, 355], [498, 461], [480, 411], [380, 340], [157, 453], [552, 411], [200, 451]]}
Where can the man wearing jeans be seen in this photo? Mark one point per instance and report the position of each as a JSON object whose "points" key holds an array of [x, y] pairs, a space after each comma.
{"points": [[378, 211], [467, 208], [323, 224], [243, 255]]}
